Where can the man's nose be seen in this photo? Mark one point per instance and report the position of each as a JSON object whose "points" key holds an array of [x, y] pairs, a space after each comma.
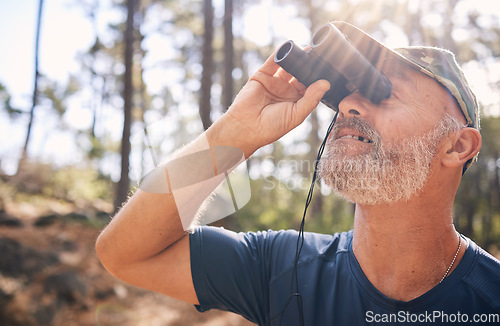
{"points": [[354, 105]]}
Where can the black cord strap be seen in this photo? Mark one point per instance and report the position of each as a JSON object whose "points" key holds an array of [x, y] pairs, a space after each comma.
{"points": [[300, 239]]}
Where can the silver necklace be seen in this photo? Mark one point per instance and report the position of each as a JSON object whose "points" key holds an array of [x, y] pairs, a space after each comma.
{"points": [[454, 258]]}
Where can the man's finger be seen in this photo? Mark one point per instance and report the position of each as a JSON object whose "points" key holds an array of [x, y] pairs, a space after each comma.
{"points": [[270, 67], [298, 85], [312, 97]]}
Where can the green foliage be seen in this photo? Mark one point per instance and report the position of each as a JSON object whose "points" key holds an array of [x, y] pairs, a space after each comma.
{"points": [[82, 185], [277, 205], [74, 183], [51, 91], [5, 102], [477, 204]]}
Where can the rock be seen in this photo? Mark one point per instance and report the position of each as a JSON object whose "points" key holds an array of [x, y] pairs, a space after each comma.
{"points": [[4, 298], [103, 216], [68, 245], [46, 220], [8, 220], [18, 312], [17, 260], [76, 217], [67, 286], [44, 314], [102, 294]]}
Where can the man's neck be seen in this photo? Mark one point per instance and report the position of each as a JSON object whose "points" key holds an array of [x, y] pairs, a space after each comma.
{"points": [[404, 249]]}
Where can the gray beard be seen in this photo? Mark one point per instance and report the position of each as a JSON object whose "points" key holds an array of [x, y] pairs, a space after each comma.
{"points": [[388, 173]]}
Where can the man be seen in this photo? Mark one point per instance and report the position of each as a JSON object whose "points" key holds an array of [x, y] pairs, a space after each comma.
{"points": [[400, 161]]}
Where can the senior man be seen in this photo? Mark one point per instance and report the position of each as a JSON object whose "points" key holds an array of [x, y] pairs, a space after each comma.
{"points": [[400, 161]]}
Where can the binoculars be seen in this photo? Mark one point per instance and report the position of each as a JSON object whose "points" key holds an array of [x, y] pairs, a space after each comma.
{"points": [[331, 56]]}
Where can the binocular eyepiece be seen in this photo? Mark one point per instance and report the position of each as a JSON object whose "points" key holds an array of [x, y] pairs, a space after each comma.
{"points": [[332, 56]]}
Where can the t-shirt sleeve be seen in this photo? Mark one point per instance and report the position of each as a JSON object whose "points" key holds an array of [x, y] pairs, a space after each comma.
{"points": [[231, 271]]}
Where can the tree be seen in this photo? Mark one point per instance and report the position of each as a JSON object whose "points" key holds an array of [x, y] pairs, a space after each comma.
{"points": [[207, 62], [35, 89], [128, 90], [228, 54], [5, 101], [314, 140]]}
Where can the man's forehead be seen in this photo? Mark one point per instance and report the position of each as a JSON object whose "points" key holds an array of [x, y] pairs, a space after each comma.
{"points": [[400, 72]]}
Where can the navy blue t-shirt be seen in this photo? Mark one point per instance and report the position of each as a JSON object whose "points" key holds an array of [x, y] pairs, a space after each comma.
{"points": [[251, 274]]}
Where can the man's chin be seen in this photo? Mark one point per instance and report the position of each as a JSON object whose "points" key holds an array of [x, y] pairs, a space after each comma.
{"points": [[369, 201], [373, 183]]}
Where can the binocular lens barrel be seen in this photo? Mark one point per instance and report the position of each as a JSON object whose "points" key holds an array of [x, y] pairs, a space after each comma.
{"points": [[331, 45], [334, 58], [307, 68], [295, 61]]}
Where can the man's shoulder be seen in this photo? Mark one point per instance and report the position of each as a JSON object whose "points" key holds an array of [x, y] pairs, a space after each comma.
{"points": [[484, 275], [485, 265], [278, 245], [314, 243], [273, 237]]}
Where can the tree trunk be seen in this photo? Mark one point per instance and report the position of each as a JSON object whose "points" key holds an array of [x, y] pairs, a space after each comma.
{"points": [[228, 54], [24, 153], [314, 140], [207, 64], [124, 183]]}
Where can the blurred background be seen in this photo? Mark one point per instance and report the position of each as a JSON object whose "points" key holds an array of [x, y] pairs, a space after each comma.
{"points": [[94, 94]]}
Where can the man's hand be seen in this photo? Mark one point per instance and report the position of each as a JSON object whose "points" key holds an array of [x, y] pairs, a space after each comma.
{"points": [[271, 104]]}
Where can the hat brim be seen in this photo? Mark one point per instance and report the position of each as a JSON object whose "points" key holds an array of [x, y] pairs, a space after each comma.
{"points": [[372, 49]]}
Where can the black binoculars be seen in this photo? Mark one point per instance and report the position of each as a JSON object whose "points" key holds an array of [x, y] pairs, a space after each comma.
{"points": [[331, 56]]}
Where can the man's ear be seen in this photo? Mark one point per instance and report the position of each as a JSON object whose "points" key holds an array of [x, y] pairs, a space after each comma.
{"points": [[464, 145]]}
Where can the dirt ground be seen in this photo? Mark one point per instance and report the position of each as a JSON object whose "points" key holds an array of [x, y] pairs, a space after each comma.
{"points": [[50, 275]]}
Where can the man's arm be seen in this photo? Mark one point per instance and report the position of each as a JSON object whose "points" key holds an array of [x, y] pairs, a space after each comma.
{"points": [[145, 244]]}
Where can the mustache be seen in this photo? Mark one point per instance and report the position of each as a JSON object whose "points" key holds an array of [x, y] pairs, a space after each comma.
{"points": [[359, 125]]}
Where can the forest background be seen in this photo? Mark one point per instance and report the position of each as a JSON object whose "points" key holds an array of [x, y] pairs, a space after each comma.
{"points": [[103, 75]]}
